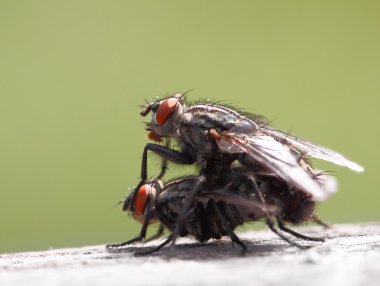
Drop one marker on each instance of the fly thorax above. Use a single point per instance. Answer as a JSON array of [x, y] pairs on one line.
[[245, 126]]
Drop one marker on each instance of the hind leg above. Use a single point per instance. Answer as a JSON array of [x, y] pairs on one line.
[[317, 220], [268, 218], [227, 226], [282, 226]]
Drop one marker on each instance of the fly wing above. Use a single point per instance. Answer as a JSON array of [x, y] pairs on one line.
[[313, 150], [274, 156], [327, 182], [248, 208]]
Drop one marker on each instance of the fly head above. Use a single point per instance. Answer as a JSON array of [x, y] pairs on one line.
[[166, 114], [144, 201]]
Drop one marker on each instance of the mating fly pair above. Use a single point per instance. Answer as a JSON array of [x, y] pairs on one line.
[[217, 138]]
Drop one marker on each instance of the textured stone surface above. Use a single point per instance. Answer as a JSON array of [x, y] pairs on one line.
[[349, 256]]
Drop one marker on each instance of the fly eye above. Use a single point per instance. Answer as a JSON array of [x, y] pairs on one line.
[[165, 109], [141, 199]]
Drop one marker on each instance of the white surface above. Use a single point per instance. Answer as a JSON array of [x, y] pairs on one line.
[[350, 256]]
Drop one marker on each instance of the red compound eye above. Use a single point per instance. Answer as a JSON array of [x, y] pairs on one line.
[[141, 199], [165, 109]]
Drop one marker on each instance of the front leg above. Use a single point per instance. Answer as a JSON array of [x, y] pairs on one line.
[[177, 157], [144, 228]]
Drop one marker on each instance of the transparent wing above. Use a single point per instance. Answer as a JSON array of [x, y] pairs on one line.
[[313, 150], [274, 156], [327, 182], [249, 208]]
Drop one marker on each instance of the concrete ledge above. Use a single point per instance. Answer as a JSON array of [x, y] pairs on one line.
[[349, 256]]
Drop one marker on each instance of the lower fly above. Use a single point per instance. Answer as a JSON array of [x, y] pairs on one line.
[[221, 205]]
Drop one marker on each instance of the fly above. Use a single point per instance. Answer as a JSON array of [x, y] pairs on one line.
[[214, 136], [221, 205]]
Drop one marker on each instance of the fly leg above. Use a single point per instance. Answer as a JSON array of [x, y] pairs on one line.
[[143, 230], [164, 163], [282, 226], [166, 153], [164, 167], [317, 220], [272, 227], [189, 200], [157, 248], [268, 218], [227, 226], [159, 232]]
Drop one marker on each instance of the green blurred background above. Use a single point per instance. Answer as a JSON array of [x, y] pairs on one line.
[[73, 73]]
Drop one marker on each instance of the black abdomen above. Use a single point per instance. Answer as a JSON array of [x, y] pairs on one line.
[[204, 221]]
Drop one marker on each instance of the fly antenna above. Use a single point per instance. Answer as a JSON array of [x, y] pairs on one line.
[[117, 204]]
